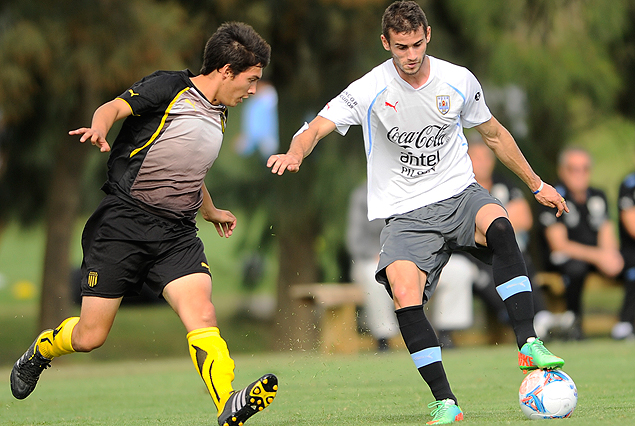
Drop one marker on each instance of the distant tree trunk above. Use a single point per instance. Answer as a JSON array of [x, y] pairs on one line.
[[297, 264], [297, 228], [61, 216], [62, 211]]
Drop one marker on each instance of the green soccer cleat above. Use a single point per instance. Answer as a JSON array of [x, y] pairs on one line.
[[445, 412], [243, 404], [534, 355], [27, 369]]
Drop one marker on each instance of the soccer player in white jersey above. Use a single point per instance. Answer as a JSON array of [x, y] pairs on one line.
[[412, 109]]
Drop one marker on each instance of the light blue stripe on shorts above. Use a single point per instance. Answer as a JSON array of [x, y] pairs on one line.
[[426, 356], [513, 286]]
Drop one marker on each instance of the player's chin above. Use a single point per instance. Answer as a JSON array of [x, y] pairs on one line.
[[233, 102], [411, 70]]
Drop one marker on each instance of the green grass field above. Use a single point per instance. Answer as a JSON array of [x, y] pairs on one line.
[[369, 389], [142, 375]]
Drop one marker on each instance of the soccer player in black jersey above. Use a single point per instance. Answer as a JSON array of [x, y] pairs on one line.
[[144, 229]]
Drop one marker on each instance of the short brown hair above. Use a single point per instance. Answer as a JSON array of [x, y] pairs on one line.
[[236, 44], [564, 154], [403, 17]]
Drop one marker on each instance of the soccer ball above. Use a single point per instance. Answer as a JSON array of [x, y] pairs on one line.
[[547, 394]]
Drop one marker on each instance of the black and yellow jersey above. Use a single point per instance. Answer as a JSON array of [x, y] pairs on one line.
[[165, 148]]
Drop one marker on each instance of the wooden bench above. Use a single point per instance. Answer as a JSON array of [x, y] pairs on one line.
[[332, 309], [328, 314], [602, 298], [596, 320]]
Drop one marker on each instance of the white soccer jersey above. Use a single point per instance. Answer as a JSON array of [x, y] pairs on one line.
[[415, 147]]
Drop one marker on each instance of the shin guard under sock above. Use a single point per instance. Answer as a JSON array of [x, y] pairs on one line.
[[510, 278], [54, 343], [211, 358], [424, 348]]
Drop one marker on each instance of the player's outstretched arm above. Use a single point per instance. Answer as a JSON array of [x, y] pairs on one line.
[[498, 138], [223, 220], [103, 119], [302, 144]]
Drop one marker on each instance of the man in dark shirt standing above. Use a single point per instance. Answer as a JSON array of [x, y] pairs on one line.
[[144, 229], [583, 240]]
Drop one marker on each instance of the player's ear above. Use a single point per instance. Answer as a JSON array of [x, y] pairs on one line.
[[226, 71], [385, 42]]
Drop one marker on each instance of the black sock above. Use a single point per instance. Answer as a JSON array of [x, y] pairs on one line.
[[510, 278], [423, 345]]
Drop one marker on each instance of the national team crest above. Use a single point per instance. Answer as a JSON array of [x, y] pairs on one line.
[[443, 104]]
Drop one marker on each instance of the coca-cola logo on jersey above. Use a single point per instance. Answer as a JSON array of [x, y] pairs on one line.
[[431, 136], [429, 140]]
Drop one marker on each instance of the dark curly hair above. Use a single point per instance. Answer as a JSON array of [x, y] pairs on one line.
[[236, 44]]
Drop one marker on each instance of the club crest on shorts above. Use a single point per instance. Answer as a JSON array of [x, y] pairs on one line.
[[443, 104], [92, 279]]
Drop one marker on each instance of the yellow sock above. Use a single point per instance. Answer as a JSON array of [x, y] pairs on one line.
[[53, 343], [211, 358]]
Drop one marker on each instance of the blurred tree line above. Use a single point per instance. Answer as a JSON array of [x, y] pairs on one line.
[[571, 63]]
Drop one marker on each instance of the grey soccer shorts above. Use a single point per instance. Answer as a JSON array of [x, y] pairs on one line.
[[428, 235]]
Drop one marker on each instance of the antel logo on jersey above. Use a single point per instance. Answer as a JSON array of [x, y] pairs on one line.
[[431, 136]]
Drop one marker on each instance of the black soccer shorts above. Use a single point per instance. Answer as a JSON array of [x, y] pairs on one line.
[[125, 246]]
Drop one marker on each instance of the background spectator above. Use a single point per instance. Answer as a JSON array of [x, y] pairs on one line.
[[259, 128], [582, 240], [626, 206]]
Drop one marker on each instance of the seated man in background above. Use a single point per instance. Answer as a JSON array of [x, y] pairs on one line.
[[583, 240], [626, 206], [465, 275]]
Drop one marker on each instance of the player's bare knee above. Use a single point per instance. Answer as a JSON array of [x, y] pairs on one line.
[[406, 295]]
